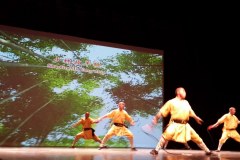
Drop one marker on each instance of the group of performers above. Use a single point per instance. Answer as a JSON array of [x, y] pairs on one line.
[[118, 116], [178, 128]]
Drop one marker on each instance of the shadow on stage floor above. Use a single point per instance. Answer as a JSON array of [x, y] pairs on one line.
[[10, 153]]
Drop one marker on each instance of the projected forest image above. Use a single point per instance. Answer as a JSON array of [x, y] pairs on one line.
[[47, 84]]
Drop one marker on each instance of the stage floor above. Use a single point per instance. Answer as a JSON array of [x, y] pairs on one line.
[[109, 154]]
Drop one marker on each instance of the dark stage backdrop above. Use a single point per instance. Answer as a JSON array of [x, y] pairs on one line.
[[49, 81]]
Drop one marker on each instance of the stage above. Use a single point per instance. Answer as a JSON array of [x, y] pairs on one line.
[[10, 153]]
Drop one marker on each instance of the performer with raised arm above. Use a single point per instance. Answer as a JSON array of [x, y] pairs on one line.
[[118, 117], [230, 124], [88, 131], [178, 130]]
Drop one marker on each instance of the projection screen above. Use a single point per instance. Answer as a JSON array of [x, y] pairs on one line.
[[49, 81]]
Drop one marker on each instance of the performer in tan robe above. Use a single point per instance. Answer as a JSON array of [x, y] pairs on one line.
[[118, 116], [230, 123], [88, 131], [178, 129], [186, 146]]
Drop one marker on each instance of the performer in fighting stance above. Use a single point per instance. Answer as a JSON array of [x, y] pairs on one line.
[[230, 123], [186, 145], [88, 131], [118, 116], [178, 129]]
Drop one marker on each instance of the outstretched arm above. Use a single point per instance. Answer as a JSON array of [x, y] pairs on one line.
[[156, 118], [198, 119], [213, 126], [95, 121], [77, 123], [101, 118], [129, 119], [220, 121]]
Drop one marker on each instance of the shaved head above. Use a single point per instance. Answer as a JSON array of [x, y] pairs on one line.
[[87, 114]]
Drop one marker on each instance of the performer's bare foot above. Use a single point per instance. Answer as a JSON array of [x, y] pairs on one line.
[[72, 147], [102, 147], [188, 148], [208, 153], [154, 152], [133, 149]]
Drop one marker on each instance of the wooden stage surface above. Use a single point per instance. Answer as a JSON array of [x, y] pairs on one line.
[[13, 153]]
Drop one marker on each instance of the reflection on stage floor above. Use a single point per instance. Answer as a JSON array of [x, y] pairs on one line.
[[10, 153]]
